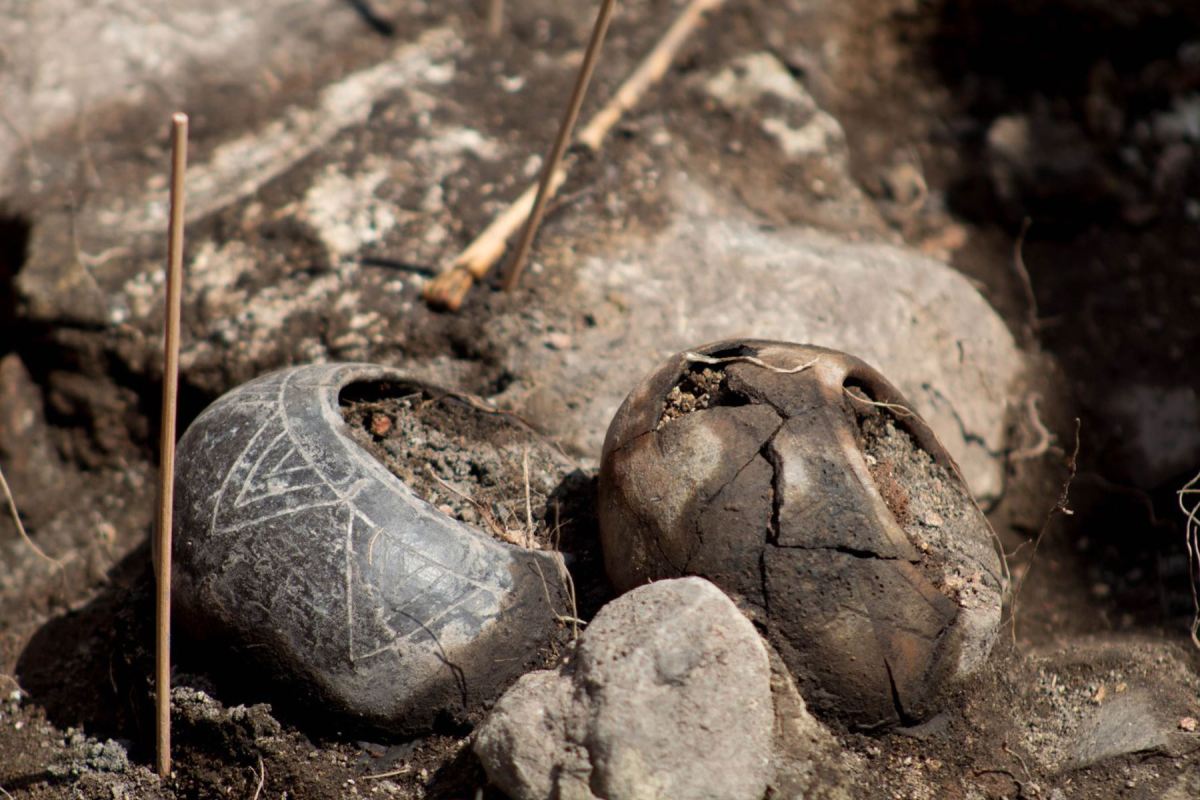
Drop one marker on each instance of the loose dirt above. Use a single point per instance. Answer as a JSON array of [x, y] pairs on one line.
[[928, 501], [698, 390], [479, 466]]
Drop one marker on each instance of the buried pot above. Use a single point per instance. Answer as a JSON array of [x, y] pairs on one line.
[[297, 549], [797, 479]]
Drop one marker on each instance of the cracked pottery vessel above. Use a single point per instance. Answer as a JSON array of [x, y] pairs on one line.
[[296, 549], [796, 479]]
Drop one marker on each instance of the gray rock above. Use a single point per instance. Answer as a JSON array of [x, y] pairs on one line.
[[1128, 723], [808, 761], [714, 273], [667, 695], [802, 129], [70, 66]]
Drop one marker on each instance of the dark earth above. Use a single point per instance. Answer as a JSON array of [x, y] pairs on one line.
[[1048, 149]]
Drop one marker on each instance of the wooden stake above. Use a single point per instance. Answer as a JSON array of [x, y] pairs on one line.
[[449, 288], [166, 476], [495, 18], [649, 72], [565, 129]]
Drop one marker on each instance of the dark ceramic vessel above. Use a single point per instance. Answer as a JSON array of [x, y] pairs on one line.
[[298, 550]]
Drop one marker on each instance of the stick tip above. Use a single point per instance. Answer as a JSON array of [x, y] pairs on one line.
[[179, 118], [447, 291]]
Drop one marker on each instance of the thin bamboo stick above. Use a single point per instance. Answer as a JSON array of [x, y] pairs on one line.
[[495, 18], [449, 288], [166, 477]]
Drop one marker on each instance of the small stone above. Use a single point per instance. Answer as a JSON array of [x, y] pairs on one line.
[[558, 340], [663, 677], [1188, 724], [1128, 723], [380, 424]]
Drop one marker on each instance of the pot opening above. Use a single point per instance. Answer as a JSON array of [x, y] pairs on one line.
[[927, 500], [478, 465], [700, 386]]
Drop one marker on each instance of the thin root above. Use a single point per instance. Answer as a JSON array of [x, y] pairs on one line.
[[16, 517], [262, 778], [895, 408], [690, 357], [528, 500], [493, 524], [1192, 540], [395, 773], [1044, 437], [1060, 507]]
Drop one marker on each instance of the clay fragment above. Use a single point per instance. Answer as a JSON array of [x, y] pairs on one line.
[[818, 499]]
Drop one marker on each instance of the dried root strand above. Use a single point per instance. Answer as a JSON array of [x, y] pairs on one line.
[[1060, 507], [1044, 437], [895, 408], [16, 518], [698, 358], [1191, 493]]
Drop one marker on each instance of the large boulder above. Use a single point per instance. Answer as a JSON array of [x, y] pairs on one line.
[[716, 273]]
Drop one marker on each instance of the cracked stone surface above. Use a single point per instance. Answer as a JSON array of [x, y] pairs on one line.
[[795, 478], [669, 694], [715, 273]]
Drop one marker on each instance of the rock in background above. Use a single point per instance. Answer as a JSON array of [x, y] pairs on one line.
[[714, 272]]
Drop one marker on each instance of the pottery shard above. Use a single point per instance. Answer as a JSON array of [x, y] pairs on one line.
[[796, 479], [667, 695]]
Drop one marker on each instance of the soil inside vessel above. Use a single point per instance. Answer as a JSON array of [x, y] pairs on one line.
[[477, 465]]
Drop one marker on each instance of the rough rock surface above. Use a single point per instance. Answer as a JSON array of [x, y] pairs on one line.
[[70, 67], [713, 273], [667, 695], [808, 761]]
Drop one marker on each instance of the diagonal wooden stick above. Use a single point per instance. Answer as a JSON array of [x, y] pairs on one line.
[[495, 18], [166, 474], [565, 129], [448, 289]]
